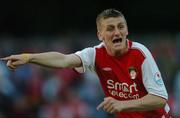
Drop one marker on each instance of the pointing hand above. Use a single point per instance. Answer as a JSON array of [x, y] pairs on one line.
[[15, 60]]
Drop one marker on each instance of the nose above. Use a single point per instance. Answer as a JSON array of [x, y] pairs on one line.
[[117, 32]]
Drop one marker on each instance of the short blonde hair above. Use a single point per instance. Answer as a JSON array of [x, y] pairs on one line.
[[107, 14]]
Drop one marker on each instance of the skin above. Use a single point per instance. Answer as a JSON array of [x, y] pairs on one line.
[[148, 102], [108, 30]]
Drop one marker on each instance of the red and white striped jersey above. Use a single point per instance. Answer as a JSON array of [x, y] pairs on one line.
[[130, 76]]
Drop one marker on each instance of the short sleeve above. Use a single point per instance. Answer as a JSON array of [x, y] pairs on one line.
[[87, 57], [152, 78]]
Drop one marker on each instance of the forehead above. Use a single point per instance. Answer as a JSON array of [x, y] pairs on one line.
[[113, 21]]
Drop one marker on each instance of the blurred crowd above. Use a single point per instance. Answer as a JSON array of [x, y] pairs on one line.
[[32, 91]]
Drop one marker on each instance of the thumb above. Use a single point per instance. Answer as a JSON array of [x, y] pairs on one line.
[[9, 65], [108, 98], [18, 62]]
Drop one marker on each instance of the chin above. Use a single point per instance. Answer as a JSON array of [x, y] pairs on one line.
[[119, 48]]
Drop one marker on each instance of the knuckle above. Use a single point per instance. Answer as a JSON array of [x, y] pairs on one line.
[[104, 108], [8, 64]]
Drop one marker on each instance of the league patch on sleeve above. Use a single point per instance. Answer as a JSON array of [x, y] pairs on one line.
[[158, 78]]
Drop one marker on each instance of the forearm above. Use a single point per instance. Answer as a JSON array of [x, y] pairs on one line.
[[51, 59], [148, 102]]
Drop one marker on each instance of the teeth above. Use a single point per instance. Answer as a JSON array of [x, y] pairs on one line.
[[120, 39], [117, 40]]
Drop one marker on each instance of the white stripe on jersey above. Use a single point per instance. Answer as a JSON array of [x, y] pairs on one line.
[[167, 109], [150, 73], [87, 56]]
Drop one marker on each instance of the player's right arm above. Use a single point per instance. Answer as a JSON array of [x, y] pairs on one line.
[[48, 59]]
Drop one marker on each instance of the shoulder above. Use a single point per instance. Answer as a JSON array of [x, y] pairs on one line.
[[101, 45], [141, 48]]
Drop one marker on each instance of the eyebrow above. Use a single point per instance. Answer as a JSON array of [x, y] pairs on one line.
[[110, 25], [121, 23]]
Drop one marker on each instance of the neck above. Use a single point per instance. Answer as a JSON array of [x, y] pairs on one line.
[[121, 52]]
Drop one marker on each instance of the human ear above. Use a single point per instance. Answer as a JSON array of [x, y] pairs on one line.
[[127, 33], [99, 36]]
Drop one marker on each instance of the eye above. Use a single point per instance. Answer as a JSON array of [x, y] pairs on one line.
[[110, 28], [121, 26]]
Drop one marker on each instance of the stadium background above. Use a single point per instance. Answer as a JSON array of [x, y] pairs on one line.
[[67, 26]]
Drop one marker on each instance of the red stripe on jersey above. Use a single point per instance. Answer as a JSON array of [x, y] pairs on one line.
[[116, 79], [114, 73]]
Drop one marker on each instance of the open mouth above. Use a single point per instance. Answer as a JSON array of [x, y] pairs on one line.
[[117, 40]]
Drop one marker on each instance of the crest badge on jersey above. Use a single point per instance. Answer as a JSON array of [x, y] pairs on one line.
[[132, 72]]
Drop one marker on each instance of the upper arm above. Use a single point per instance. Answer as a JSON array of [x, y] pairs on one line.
[[72, 60], [87, 58], [152, 78]]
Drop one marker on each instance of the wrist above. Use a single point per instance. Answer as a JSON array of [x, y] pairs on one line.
[[127, 105], [123, 106], [26, 57]]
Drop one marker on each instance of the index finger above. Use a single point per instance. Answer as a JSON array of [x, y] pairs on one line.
[[5, 58], [101, 105]]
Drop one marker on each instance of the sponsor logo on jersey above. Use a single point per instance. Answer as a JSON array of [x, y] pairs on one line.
[[107, 69], [132, 73], [122, 90]]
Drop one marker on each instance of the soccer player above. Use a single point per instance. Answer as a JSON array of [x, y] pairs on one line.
[[127, 71]]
